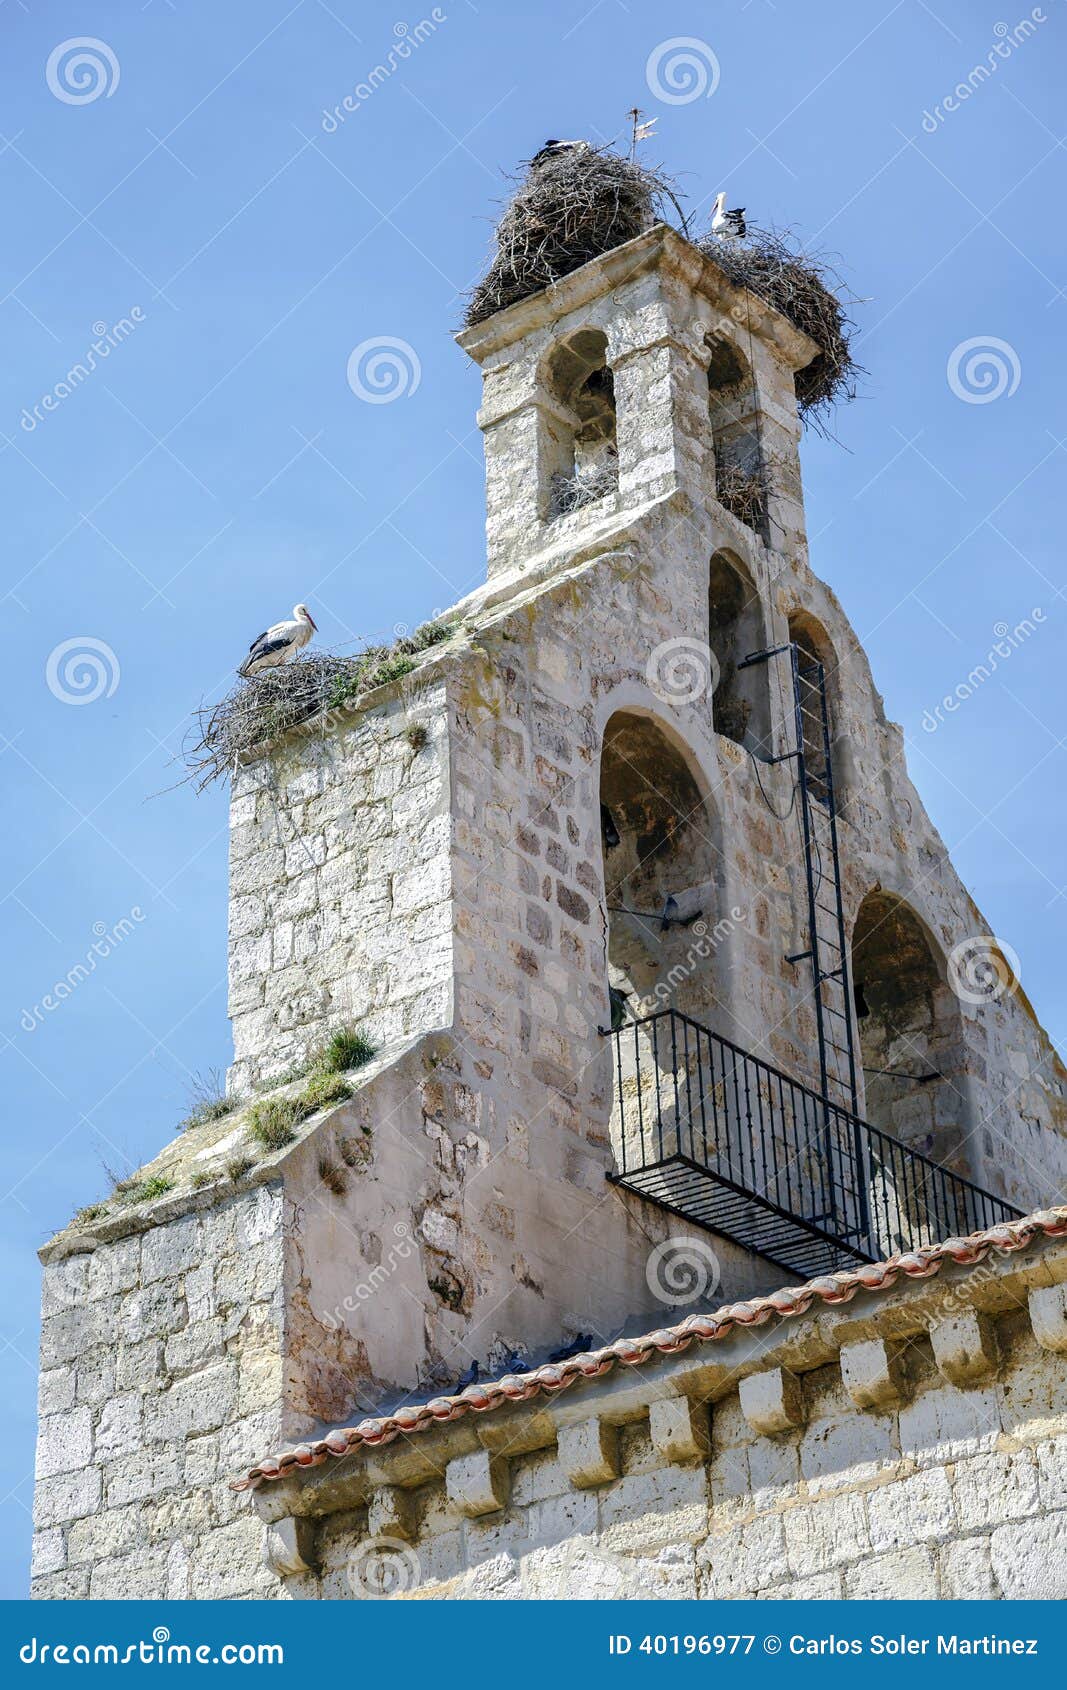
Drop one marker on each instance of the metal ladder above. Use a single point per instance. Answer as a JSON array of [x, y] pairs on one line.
[[827, 951]]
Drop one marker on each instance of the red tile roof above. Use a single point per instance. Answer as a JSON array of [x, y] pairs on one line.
[[634, 1352]]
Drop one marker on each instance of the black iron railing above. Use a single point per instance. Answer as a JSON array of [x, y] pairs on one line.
[[718, 1136]]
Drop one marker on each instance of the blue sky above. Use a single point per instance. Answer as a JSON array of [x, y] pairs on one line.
[[216, 465]]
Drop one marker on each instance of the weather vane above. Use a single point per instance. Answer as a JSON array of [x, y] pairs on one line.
[[641, 129]]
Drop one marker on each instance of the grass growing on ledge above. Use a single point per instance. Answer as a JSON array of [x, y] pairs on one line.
[[346, 1048], [273, 1121], [91, 1212], [207, 1101], [143, 1190]]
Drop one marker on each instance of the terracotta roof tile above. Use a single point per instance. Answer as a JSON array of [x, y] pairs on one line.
[[635, 1352]]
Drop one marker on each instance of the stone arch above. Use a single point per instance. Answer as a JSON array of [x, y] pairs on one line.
[[741, 704], [733, 412], [910, 1037], [581, 443], [661, 841]]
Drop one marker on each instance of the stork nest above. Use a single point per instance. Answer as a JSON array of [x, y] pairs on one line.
[[567, 209], [804, 288], [267, 705], [584, 487], [742, 492]]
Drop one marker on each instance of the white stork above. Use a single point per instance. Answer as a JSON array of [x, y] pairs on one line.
[[728, 225], [553, 148], [279, 643]]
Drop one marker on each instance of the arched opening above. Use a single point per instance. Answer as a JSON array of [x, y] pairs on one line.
[[741, 703], [662, 872], [733, 411], [581, 444], [910, 1029], [817, 676]]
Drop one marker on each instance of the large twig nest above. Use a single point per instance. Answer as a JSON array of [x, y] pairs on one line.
[[267, 705], [804, 288], [567, 209]]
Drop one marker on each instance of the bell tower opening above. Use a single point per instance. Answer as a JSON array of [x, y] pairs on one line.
[[662, 870], [909, 1033], [741, 703], [582, 450], [733, 412]]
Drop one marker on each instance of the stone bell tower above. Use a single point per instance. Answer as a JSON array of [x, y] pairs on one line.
[[577, 813], [654, 353]]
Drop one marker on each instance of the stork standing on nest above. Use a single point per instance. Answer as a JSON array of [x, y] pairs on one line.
[[553, 148], [728, 225], [279, 643]]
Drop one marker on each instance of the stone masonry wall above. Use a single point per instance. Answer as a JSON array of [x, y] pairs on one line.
[[339, 885], [161, 1365]]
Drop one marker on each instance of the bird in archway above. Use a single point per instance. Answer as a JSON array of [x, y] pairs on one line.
[[279, 643]]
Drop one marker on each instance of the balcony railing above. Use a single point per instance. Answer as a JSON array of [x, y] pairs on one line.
[[730, 1143]]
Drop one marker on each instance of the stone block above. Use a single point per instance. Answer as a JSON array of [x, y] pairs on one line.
[[49, 1552], [1028, 1559], [966, 1573], [827, 1533], [68, 1497], [589, 1452], [772, 1402], [990, 1489], [1048, 1316], [679, 1428], [871, 1373], [389, 1513], [906, 1511], [118, 1428], [743, 1559], [477, 1483], [64, 1443], [289, 1546], [906, 1576], [965, 1348]]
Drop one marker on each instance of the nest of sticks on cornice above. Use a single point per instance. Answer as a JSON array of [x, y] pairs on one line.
[[804, 288], [567, 209], [267, 705]]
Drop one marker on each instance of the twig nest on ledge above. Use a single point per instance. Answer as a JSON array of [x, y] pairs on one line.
[[267, 705], [567, 209], [803, 288]]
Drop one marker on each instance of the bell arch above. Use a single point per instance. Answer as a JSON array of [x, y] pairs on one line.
[[581, 438], [741, 702], [663, 870]]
